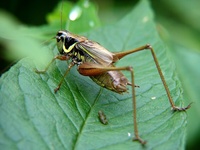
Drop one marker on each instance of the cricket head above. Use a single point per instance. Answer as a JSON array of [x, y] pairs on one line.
[[65, 41]]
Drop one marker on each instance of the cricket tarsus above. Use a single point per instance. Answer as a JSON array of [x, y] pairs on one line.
[[56, 89], [98, 63], [181, 108], [140, 140]]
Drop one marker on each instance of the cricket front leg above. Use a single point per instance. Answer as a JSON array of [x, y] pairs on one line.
[[63, 78], [60, 57], [91, 69]]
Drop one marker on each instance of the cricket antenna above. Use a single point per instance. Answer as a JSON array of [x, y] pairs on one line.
[[61, 15], [47, 41]]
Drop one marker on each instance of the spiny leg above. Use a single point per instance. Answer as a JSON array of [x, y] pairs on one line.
[[90, 69], [120, 55]]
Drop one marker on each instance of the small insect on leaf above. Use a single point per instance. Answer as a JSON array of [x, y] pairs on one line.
[[102, 117]]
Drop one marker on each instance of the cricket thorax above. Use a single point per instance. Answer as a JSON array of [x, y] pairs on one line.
[[79, 56], [67, 44]]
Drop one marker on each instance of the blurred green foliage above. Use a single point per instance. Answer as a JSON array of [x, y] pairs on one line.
[[177, 22]]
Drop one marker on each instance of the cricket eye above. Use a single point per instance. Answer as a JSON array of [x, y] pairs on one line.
[[59, 38]]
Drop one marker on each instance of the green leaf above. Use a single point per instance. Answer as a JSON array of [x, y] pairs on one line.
[[188, 68], [183, 38], [79, 17], [33, 117]]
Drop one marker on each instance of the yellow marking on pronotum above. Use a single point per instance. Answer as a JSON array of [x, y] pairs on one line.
[[70, 48]]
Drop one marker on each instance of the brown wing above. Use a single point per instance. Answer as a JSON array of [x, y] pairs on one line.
[[96, 51]]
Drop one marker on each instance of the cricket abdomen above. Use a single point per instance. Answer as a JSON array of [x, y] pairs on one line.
[[112, 80]]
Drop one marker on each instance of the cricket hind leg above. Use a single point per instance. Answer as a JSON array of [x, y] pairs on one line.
[[90, 69], [120, 55]]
